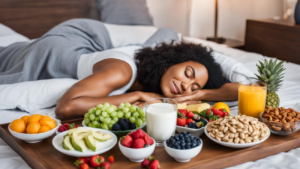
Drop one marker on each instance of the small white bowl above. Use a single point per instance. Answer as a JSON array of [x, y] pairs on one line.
[[137, 155], [34, 138], [183, 155], [234, 145], [194, 132]]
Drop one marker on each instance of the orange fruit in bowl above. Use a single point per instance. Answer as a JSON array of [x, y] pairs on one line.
[[18, 125], [221, 105], [34, 118], [49, 123], [44, 129], [33, 128], [25, 118]]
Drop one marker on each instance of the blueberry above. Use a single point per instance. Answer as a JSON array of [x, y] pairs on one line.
[[183, 133], [177, 142], [194, 141], [191, 125], [178, 147], [146, 145], [188, 133], [197, 144], [188, 143], [168, 141], [187, 147], [182, 144], [183, 148], [194, 145], [181, 137], [176, 137], [116, 127]]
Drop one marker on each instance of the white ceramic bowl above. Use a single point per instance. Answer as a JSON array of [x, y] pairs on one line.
[[194, 132], [233, 145], [137, 155], [102, 147], [183, 155], [34, 138]]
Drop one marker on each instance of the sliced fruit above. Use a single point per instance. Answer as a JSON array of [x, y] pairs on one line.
[[221, 105], [198, 107], [181, 106], [90, 142], [98, 135], [77, 139], [67, 143]]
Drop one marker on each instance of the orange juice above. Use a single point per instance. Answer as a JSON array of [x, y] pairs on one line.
[[252, 99]]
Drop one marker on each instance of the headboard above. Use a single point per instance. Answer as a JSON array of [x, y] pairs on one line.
[[33, 18]]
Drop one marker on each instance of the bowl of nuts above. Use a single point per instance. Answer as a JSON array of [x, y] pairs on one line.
[[237, 131], [281, 121]]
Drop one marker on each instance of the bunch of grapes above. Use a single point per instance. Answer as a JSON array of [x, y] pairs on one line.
[[106, 115]]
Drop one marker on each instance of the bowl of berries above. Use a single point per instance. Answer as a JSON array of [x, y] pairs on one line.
[[183, 147], [188, 121], [137, 145], [66, 127]]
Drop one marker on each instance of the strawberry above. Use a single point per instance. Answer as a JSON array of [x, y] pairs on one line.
[[209, 112], [189, 121], [183, 112], [181, 121], [211, 120], [141, 133], [218, 112], [126, 141], [145, 163], [148, 140], [84, 166], [154, 164], [134, 135], [81, 160], [96, 160], [226, 114], [138, 143], [111, 159], [190, 115], [105, 165]]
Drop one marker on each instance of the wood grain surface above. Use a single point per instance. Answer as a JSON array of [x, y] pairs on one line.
[[43, 155], [33, 18], [278, 39]]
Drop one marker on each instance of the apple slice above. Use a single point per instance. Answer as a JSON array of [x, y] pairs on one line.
[[90, 142]]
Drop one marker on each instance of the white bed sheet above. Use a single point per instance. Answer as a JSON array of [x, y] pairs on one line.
[[289, 95]]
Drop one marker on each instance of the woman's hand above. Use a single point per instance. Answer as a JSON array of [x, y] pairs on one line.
[[144, 96], [190, 99]]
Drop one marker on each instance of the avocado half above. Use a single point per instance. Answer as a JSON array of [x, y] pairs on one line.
[[77, 139]]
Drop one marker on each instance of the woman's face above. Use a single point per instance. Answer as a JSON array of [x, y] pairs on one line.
[[184, 79]]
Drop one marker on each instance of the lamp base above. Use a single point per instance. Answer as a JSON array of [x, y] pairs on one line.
[[216, 39]]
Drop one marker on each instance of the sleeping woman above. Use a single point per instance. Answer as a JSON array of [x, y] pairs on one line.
[[117, 64]]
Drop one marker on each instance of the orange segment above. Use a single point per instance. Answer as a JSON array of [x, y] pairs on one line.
[[44, 129], [34, 118], [25, 118], [18, 125], [49, 123], [45, 117], [33, 128]]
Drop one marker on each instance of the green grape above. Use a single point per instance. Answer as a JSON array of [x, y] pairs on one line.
[[110, 126], [101, 118], [104, 126], [115, 107], [106, 104], [125, 109], [96, 118], [98, 112], [144, 119], [141, 110], [139, 122], [95, 123], [116, 119], [109, 109], [107, 120], [98, 125], [91, 110], [132, 108], [136, 114], [127, 104], [127, 115], [104, 114], [132, 119], [90, 124], [113, 114], [87, 120], [120, 114], [121, 105], [112, 122], [142, 114], [99, 106], [87, 115], [103, 108], [92, 117]]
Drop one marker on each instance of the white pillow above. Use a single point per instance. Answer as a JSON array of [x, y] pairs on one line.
[[9, 36], [33, 95]]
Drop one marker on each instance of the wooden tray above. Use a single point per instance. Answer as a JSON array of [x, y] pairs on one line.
[[43, 155]]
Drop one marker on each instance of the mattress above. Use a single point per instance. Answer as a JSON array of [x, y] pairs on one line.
[[289, 95]]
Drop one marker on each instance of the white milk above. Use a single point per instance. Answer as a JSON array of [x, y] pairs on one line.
[[161, 120]]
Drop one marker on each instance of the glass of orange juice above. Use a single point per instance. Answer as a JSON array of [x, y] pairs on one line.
[[252, 97]]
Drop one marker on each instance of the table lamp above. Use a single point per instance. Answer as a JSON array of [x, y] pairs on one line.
[[216, 38]]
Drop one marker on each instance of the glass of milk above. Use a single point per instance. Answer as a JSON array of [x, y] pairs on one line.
[[161, 116]]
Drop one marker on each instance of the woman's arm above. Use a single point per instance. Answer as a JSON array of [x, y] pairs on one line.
[[227, 92]]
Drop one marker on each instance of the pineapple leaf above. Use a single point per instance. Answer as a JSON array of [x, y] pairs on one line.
[[267, 72]]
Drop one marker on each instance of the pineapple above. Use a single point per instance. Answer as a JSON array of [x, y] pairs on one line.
[[271, 73]]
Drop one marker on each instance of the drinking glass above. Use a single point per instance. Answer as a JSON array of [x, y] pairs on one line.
[[161, 115], [252, 97]]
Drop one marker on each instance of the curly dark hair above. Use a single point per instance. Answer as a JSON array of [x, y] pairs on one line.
[[153, 63]]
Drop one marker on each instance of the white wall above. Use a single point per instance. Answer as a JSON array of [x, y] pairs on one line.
[[232, 15]]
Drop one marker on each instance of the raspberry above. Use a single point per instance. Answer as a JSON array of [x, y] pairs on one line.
[[62, 128]]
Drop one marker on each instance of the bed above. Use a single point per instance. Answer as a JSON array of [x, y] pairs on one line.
[[20, 20]]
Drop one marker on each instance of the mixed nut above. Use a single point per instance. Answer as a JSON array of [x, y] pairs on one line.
[[281, 119], [238, 129]]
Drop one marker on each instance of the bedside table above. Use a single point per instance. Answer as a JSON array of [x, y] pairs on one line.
[[274, 38]]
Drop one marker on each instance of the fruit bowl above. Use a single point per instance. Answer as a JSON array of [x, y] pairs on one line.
[[34, 138], [183, 155], [120, 133], [195, 132], [137, 155]]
